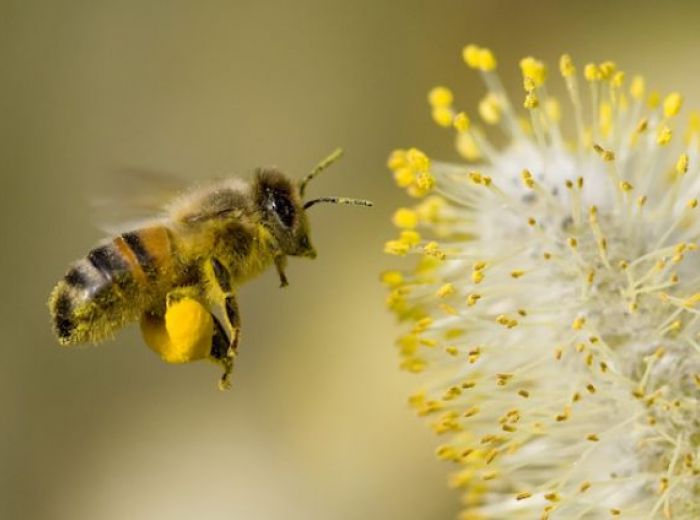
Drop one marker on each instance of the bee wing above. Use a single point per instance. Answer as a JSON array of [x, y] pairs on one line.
[[133, 196]]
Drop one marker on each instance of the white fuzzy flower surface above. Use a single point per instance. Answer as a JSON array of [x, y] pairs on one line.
[[551, 296]]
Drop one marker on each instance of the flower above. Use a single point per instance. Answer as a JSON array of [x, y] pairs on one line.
[[553, 309]]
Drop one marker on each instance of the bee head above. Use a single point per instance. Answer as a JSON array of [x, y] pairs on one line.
[[279, 201], [284, 210]]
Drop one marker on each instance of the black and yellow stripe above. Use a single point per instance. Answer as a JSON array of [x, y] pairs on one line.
[[109, 287]]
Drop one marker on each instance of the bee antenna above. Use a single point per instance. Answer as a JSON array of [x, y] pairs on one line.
[[338, 200], [325, 163]]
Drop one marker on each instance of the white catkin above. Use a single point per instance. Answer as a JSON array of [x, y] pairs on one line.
[[554, 305]]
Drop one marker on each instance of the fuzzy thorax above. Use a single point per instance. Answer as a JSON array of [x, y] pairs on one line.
[[552, 308]]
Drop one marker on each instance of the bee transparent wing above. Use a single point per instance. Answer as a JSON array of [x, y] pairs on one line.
[[132, 196]]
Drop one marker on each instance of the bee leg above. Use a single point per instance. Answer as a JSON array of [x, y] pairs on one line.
[[226, 298], [233, 323], [220, 353], [281, 264]]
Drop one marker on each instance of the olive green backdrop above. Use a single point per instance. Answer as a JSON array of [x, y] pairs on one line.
[[316, 426]]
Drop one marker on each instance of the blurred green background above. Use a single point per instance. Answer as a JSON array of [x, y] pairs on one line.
[[316, 426]]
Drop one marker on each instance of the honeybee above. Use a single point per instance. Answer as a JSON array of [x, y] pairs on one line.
[[178, 274]]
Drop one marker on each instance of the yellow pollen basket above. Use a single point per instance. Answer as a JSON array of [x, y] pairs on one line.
[[184, 335]]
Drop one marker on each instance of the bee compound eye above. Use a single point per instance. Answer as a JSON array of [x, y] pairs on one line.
[[284, 208]]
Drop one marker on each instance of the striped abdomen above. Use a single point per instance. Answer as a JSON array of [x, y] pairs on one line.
[[111, 286]]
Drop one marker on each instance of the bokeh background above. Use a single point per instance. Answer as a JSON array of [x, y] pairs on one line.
[[316, 426]]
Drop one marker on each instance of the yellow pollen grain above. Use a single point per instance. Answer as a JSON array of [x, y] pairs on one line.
[[397, 159], [625, 186], [392, 278], [572, 242], [664, 135], [404, 177], [446, 290], [524, 393], [522, 496], [615, 512], [591, 389], [534, 69], [692, 203], [618, 79], [531, 101], [471, 412], [552, 497], [528, 84], [474, 355], [470, 55], [637, 88], [452, 392], [414, 365], [422, 325], [591, 72], [642, 126], [461, 122], [564, 415], [592, 437], [396, 247], [440, 97], [425, 181], [654, 99], [417, 160], [409, 237], [487, 61], [432, 249], [445, 452], [475, 177], [473, 298], [468, 148], [405, 218], [489, 475], [491, 455], [490, 109], [503, 379], [477, 277], [442, 116], [672, 104], [682, 164], [585, 486], [527, 179], [606, 155], [607, 69], [566, 66], [452, 351]]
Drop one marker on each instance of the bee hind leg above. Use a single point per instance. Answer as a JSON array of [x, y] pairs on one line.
[[222, 354], [229, 334]]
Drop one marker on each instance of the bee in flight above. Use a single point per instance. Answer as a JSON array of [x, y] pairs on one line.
[[178, 274]]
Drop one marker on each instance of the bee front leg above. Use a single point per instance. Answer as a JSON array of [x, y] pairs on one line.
[[281, 264], [225, 298]]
